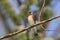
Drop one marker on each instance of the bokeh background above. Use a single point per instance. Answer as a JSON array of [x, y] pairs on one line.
[[13, 14]]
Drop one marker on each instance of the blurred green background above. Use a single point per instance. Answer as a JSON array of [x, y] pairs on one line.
[[13, 14]]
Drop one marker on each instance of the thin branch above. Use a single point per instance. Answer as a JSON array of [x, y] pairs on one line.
[[42, 7], [14, 33], [41, 13]]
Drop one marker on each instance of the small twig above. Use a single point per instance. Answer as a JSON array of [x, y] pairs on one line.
[[14, 33], [42, 7], [41, 14]]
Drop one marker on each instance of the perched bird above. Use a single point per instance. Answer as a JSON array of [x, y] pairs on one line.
[[31, 20]]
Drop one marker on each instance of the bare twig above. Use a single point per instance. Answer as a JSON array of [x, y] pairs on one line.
[[14, 33], [42, 7], [41, 14]]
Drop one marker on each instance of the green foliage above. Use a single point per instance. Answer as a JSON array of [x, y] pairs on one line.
[[10, 12], [47, 13], [34, 2], [21, 36], [47, 2], [23, 12]]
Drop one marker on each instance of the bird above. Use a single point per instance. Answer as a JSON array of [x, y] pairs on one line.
[[31, 21]]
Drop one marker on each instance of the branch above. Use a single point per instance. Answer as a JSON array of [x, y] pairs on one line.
[[42, 7], [14, 33], [41, 13]]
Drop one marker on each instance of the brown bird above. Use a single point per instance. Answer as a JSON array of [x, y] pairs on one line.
[[31, 20]]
